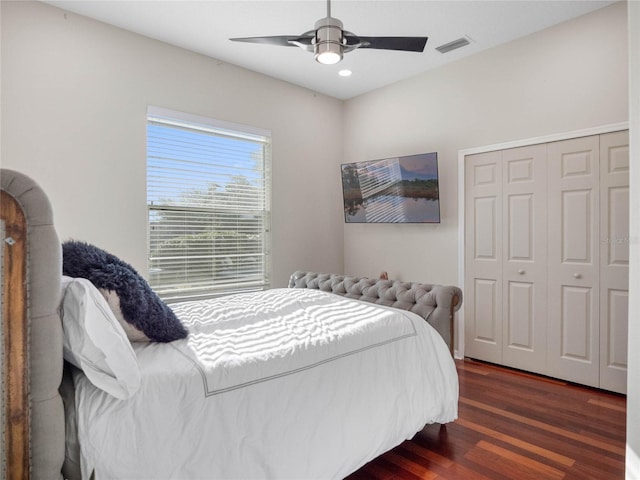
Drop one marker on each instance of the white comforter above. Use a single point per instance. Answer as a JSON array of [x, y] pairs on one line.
[[286, 383]]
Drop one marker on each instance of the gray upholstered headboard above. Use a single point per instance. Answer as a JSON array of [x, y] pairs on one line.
[[31, 285], [435, 303]]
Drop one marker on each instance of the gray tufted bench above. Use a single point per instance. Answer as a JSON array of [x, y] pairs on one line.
[[435, 303]]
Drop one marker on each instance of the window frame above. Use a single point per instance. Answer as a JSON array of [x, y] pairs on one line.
[[181, 120]]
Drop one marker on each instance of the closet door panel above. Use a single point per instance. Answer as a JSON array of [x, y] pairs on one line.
[[573, 262], [486, 312], [614, 260], [524, 240], [521, 323], [483, 257], [576, 223], [576, 322]]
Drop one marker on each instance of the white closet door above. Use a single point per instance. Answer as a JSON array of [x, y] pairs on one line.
[[574, 250], [483, 257], [524, 267], [614, 259]]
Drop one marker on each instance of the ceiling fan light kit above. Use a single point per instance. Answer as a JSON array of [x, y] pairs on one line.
[[328, 45], [329, 41]]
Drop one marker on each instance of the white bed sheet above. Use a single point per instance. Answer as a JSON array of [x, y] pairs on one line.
[[286, 383]]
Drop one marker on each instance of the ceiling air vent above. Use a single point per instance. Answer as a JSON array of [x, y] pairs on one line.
[[447, 47]]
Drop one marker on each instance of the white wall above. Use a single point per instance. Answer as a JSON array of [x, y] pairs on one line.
[[74, 100], [633, 373], [569, 77]]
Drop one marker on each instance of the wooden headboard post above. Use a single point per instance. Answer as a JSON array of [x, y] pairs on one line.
[[15, 341], [32, 410]]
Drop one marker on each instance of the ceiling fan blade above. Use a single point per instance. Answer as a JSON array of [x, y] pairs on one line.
[[408, 44], [281, 40]]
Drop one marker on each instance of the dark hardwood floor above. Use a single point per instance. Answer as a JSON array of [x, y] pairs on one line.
[[517, 426]]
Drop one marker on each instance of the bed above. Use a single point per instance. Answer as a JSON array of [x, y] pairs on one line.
[[310, 381]]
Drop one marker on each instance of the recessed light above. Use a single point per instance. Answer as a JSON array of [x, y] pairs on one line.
[[345, 73]]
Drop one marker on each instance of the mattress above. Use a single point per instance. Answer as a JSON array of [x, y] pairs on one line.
[[285, 383]]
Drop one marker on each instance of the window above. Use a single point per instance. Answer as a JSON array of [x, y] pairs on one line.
[[208, 199]]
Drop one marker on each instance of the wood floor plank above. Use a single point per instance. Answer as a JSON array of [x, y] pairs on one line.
[[516, 442], [426, 455], [514, 425], [549, 428], [471, 368], [542, 469], [491, 368], [503, 467], [378, 470], [580, 452], [600, 403], [457, 471], [412, 467]]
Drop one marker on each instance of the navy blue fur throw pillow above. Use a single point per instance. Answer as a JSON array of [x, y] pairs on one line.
[[140, 305]]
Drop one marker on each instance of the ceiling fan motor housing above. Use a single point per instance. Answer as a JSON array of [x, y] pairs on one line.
[[328, 44]]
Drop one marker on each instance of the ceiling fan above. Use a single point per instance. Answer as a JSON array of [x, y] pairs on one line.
[[329, 42]]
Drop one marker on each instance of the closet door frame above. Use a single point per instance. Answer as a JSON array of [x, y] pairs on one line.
[[459, 326]]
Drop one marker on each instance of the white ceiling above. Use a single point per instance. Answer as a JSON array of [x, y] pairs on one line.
[[206, 26]]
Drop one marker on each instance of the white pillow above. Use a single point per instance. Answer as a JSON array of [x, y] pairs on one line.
[[94, 340]]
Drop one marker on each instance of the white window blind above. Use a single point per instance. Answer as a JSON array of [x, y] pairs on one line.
[[208, 198]]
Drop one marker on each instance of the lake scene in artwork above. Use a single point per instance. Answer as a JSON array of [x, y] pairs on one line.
[[392, 190]]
